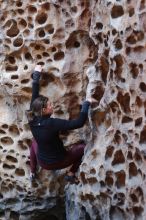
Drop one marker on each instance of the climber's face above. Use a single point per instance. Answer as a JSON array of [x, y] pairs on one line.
[[48, 110]]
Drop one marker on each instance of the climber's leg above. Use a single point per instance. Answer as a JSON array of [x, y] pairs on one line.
[[76, 153], [73, 157], [33, 156]]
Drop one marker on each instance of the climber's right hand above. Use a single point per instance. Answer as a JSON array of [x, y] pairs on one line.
[[91, 100], [38, 68]]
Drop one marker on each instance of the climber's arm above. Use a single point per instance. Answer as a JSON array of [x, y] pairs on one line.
[[64, 125], [35, 83]]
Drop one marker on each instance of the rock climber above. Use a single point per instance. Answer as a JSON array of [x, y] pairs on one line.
[[47, 148]]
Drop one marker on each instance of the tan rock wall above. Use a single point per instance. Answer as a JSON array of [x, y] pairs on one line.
[[86, 48]]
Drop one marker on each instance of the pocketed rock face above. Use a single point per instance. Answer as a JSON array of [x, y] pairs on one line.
[[87, 48]]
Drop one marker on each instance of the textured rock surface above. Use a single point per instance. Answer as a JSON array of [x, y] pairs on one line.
[[87, 48]]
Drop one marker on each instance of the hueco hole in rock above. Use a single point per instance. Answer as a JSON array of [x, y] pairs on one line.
[[87, 48]]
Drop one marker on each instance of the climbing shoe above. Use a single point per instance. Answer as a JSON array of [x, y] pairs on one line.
[[71, 179]]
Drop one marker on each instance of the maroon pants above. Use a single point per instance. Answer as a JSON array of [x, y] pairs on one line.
[[73, 157]]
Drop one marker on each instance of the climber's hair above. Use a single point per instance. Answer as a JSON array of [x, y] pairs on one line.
[[37, 107]]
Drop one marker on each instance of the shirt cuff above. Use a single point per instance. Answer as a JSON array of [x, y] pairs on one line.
[[36, 76], [85, 106]]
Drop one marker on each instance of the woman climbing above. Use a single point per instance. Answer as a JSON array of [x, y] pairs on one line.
[[47, 148]]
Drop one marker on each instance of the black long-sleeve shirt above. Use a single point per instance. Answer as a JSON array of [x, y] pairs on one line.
[[46, 129]]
